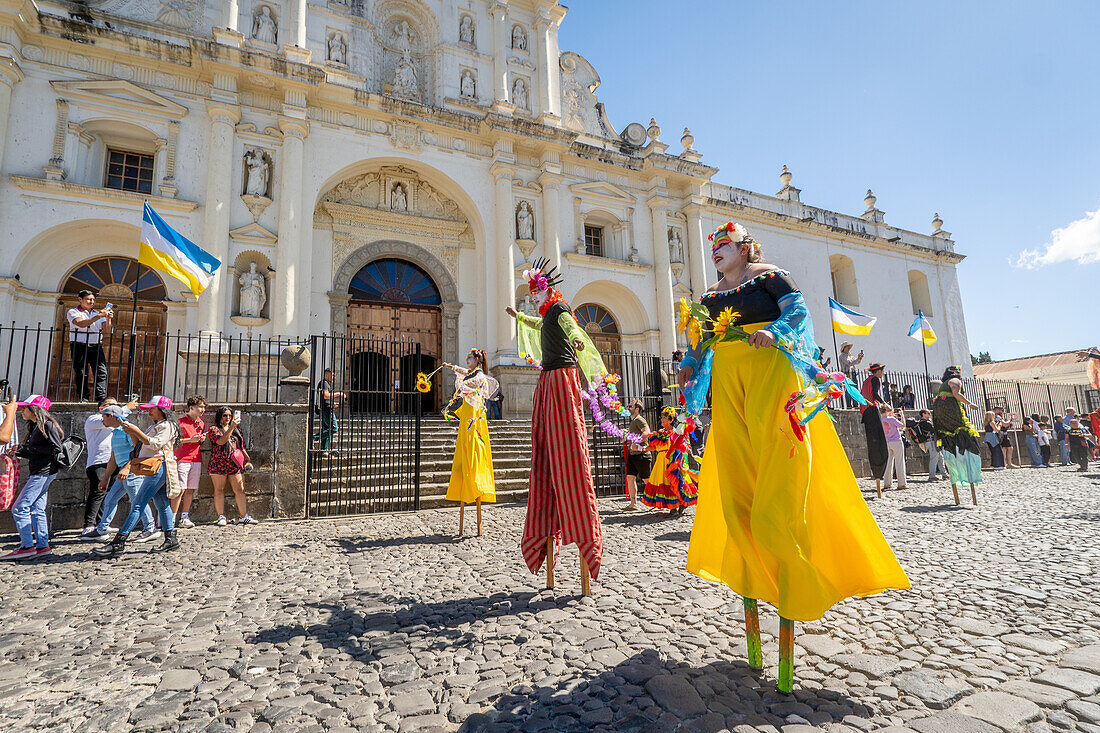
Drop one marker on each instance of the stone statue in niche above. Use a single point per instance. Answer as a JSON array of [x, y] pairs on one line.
[[466, 30], [398, 200], [253, 292], [263, 26], [519, 93], [519, 38], [337, 49], [404, 77], [675, 245], [468, 85], [525, 221], [258, 173]]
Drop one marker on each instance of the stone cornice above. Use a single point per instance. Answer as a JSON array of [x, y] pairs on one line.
[[784, 221], [80, 194], [604, 264], [346, 218]]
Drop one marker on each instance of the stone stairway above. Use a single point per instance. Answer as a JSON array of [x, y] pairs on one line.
[[511, 445]]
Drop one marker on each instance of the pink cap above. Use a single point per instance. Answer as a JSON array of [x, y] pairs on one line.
[[37, 400], [157, 400]]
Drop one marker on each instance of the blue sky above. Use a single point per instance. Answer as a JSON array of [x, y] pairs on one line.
[[985, 112]]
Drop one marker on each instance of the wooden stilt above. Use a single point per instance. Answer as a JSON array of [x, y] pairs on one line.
[[479, 516], [461, 517], [974, 494], [586, 580], [549, 562], [878, 487], [786, 655], [752, 634], [955, 489]]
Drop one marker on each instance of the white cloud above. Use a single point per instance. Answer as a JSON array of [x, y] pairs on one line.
[[1078, 241], [1018, 341]]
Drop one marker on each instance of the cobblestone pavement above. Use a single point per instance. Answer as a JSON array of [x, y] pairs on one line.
[[390, 623]]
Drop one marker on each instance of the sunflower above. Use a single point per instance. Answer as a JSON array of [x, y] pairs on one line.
[[722, 323], [695, 333], [685, 315], [423, 383]]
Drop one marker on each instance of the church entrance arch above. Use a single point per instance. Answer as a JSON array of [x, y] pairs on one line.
[[392, 299]]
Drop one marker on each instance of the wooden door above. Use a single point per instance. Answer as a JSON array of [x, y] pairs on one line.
[[418, 324]]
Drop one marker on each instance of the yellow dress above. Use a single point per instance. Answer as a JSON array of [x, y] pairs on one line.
[[792, 530], [472, 470]]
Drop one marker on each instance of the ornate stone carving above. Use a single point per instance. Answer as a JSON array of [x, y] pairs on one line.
[[258, 166], [580, 107], [406, 137], [675, 245], [466, 30], [337, 49], [378, 191], [468, 85], [519, 93], [264, 27], [525, 221], [398, 198], [184, 14], [519, 38], [253, 293]]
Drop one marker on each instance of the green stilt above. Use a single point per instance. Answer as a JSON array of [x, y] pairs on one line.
[[786, 655], [752, 634]]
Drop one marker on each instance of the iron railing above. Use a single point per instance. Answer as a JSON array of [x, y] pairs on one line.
[[237, 369], [371, 463]]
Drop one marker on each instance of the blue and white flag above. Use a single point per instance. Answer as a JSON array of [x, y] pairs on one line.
[[166, 250]]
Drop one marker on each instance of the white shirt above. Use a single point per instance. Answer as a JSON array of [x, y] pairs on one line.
[[98, 437], [87, 334]]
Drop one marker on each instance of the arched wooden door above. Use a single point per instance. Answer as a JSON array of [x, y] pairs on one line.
[[113, 280], [393, 299], [604, 332]]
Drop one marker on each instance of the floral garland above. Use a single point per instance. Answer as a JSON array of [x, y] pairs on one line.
[[602, 393]]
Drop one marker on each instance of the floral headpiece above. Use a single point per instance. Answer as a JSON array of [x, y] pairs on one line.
[[540, 278], [669, 412], [730, 233]]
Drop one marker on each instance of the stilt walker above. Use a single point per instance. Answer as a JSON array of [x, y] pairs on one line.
[[777, 496], [961, 447], [472, 469], [561, 502], [877, 452]]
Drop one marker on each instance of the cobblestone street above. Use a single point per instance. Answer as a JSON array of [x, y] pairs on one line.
[[389, 622]]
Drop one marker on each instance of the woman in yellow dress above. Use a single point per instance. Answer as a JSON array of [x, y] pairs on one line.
[[472, 469], [779, 516]]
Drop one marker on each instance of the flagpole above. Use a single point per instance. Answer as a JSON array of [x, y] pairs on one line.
[[836, 352], [133, 329]]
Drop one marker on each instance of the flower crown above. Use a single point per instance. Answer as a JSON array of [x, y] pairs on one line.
[[538, 278], [730, 233], [669, 412]]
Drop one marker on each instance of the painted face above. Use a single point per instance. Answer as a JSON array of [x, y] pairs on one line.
[[540, 296], [471, 362]]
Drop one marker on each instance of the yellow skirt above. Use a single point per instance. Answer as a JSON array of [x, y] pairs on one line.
[[779, 519], [472, 470]]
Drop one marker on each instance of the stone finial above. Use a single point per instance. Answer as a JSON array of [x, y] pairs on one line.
[[788, 192], [687, 140], [654, 130], [937, 222], [870, 200], [786, 176]]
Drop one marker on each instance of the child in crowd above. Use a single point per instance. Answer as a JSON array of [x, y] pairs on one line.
[[1079, 443], [895, 446], [1042, 434]]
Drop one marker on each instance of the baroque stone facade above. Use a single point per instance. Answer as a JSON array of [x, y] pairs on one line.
[[314, 138]]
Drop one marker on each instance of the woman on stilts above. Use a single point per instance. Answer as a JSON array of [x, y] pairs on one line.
[[779, 517], [878, 453], [961, 450], [472, 470]]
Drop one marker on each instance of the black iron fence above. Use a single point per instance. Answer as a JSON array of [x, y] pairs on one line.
[[364, 447], [67, 367]]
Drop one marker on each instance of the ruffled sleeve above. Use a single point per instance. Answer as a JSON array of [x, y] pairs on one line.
[[588, 358], [530, 339]]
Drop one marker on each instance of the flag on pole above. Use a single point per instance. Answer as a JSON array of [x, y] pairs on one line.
[[165, 249], [921, 330], [846, 320]]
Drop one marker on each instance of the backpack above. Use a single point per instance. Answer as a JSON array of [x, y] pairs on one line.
[[69, 452], [9, 479]]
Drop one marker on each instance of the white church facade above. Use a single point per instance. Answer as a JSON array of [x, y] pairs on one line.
[[388, 166]]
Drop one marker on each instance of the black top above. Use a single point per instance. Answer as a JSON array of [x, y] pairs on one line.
[[41, 450], [757, 301], [324, 386], [557, 350]]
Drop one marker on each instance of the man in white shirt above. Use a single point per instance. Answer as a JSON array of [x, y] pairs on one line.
[[86, 328], [98, 437]]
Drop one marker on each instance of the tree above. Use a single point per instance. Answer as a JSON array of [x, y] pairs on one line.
[[983, 357]]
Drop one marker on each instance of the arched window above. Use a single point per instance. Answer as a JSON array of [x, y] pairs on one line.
[[845, 288], [595, 319], [394, 281], [918, 292], [114, 277]]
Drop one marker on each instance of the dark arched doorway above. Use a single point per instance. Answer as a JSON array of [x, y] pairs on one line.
[[113, 280], [393, 300]]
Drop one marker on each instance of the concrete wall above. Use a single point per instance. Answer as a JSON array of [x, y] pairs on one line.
[[276, 440]]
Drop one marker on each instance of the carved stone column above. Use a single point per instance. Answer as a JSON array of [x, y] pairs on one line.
[[232, 14], [697, 255], [215, 230], [10, 75], [296, 23], [662, 273], [550, 180], [55, 169], [498, 15], [547, 60], [500, 274], [290, 310]]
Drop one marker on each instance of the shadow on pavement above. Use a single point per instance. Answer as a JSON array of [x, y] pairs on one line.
[[648, 693], [939, 508], [652, 517], [683, 536], [358, 545]]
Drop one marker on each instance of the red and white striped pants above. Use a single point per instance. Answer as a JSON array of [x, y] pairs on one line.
[[561, 501]]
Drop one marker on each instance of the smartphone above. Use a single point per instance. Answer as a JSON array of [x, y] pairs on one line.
[[133, 398], [109, 306], [237, 415]]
